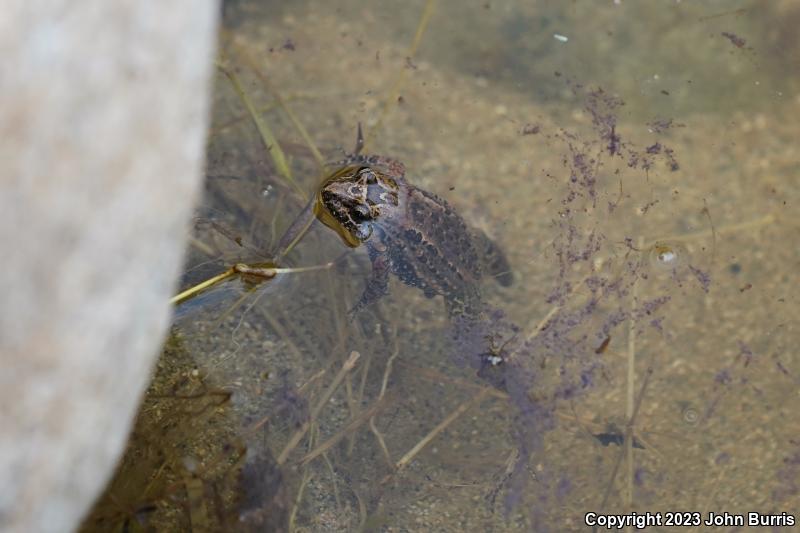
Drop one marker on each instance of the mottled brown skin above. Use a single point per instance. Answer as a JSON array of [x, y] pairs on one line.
[[412, 234]]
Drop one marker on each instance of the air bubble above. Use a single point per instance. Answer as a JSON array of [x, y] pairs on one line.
[[690, 416], [668, 256]]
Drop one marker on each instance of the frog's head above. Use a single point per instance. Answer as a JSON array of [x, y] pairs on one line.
[[356, 197]]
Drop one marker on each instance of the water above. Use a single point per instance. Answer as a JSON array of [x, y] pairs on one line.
[[636, 162]]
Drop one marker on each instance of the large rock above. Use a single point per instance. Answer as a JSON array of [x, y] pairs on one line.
[[103, 111]]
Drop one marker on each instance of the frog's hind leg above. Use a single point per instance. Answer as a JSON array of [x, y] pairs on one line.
[[493, 259], [377, 285], [468, 305]]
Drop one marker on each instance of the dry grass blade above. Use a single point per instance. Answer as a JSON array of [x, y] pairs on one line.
[[243, 53], [241, 269], [228, 124], [270, 142], [200, 287]]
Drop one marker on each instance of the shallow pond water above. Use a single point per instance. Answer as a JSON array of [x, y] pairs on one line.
[[636, 162]]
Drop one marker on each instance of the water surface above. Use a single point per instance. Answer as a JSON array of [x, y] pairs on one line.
[[638, 164]]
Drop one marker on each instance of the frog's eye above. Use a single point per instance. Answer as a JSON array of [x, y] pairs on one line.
[[354, 191], [364, 232]]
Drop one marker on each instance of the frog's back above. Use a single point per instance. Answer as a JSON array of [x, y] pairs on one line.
[[431, 248], [467, 250], [447, 232]]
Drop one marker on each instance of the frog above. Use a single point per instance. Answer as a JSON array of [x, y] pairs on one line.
[[410, 233]]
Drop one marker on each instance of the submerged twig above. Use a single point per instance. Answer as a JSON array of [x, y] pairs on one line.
[[714, 232], [628, 434], [348, 429], [300, 492], [452, 417], [326, 396], [630, 403], [387, 371], [544, 321], [332, 470], [307, 221]]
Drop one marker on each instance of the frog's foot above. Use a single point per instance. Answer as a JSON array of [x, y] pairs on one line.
[[376, 288]]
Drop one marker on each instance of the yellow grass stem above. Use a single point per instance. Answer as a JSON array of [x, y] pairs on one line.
[[248, 59], [268, 138], [200, 287]]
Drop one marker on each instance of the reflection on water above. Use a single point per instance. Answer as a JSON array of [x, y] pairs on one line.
[[634, 163]]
